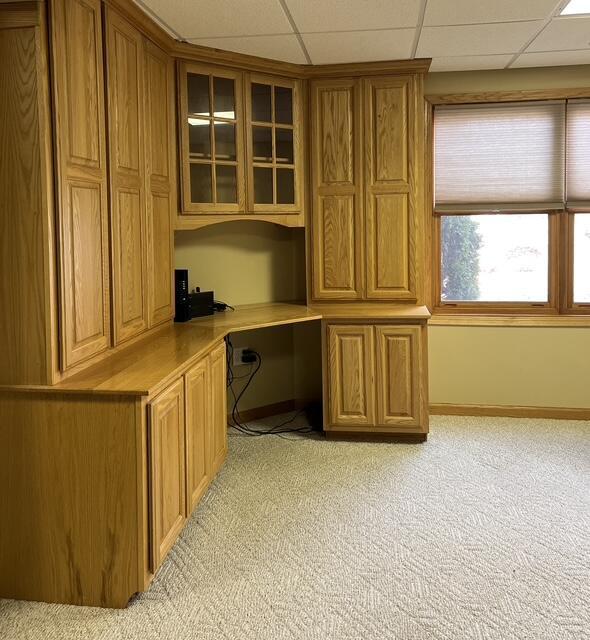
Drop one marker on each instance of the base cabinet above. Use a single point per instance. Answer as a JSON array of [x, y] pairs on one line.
[[375, 378], [188, 445]]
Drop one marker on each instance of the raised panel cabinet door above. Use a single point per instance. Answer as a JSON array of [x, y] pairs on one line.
[[350, 370], [160, 147], [167, 470], [337, 217], [126, 125], [82, 212], [218, 422], [399, 374], [198, 397], [393, 187]]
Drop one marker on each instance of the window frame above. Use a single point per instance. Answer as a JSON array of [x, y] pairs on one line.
[[561, 259]]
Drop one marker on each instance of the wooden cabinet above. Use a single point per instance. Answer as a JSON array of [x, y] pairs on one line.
[[241, 150], [337, 220], [375, 378], [367, 205], [82, 208], [198, 393], [160, 143], [218, 436], [167, 470]]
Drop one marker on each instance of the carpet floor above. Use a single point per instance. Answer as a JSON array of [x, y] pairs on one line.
[[483, 533]]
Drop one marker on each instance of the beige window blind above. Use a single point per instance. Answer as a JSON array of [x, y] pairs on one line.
[[578, 153], [500, 157]]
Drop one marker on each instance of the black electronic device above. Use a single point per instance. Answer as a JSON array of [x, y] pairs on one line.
[[190, 304], [201, 303]]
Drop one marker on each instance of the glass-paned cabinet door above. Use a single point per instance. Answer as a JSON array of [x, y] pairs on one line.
[[212, 149], [273, 130]]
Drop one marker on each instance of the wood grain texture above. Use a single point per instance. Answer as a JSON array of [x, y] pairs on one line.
[[198, 399], [28, 332], [218, 422], [160, 181], [350, 374], [508, 96], [125, 90], [167, 470], [399, 365], [506, 411], [337, 217], [69, 500], [366, 311]]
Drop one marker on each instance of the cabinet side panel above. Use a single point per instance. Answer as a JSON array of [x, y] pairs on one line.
[[69, 507]]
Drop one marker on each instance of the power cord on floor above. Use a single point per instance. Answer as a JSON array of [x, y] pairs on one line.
[[236, 420]]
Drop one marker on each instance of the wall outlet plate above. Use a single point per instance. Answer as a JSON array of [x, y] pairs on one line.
[[238, 351]]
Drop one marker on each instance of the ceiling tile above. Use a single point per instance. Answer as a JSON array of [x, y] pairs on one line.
[[562, 34], [218, 18], [285, 48], [468, 63], [446, 12], [311, 16], [476, 39], [552, 58], [359, 46]]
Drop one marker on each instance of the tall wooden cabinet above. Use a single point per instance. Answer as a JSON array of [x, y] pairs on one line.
[[367, 179]]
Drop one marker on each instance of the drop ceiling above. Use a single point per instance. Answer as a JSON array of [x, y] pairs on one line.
[[458, 35]]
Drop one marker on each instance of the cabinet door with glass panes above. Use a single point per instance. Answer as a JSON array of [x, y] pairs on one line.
[[212, 154], [273, 133]]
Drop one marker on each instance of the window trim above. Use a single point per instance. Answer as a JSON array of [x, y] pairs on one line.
[[560, 291]]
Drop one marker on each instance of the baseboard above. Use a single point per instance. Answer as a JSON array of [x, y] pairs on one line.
[[372, 436], [559, 413], [256, 413]]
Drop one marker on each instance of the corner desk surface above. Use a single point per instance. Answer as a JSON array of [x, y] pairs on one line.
[[148, 365]]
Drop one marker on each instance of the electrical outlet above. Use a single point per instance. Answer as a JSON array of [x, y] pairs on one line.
[[238, 351]]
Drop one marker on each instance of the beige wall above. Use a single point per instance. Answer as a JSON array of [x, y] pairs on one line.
[[546, 367]]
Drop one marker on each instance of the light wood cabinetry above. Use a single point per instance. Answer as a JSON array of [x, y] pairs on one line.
[[218, 408], [375, 377], [367, 205], [337, 220], [78, 93], [167, 466], [125, 89], [241, 151]]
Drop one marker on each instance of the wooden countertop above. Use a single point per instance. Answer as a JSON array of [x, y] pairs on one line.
[[150, 364]]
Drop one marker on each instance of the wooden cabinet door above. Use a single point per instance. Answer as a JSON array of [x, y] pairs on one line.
[[350, 366], [125, 84], [218, 437], [393, 188], [160, 146], [78, 93], [399, 376], [167, 466], [198, 397], [274, 149], [337, 219]]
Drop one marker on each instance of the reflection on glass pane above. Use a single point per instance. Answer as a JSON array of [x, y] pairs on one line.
[[201, 183], [262, 144], [199, 138], [261, 102], [198, 94], [226, 183], [225, 141], [223, 98], [582, 257], [495, 258], [285, 186], [284, 145], [263, 185], [283, 105]]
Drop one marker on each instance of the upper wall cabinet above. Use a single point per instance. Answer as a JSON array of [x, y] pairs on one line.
[[240, 150], [367, 180]]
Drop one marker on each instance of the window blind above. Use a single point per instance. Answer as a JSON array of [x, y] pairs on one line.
[[500, 156], [578, 153]]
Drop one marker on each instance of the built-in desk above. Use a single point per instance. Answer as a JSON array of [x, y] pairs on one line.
[[99, 473]]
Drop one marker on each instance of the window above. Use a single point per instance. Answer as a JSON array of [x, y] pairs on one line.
[[512, 207]]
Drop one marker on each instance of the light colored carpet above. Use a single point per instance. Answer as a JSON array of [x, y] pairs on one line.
[[483, 532]]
